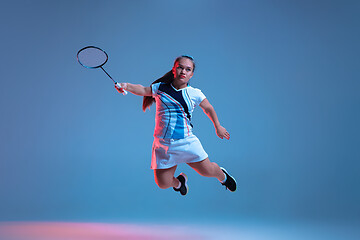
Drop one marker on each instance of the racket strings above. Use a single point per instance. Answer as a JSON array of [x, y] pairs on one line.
[[92, 57]]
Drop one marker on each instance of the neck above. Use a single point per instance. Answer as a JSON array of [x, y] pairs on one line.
[[179, 86]]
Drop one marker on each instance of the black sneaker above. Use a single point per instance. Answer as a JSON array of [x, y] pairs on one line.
[[230, 182], [183, 189]]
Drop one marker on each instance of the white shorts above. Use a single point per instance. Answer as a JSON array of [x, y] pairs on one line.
[[167, 153]]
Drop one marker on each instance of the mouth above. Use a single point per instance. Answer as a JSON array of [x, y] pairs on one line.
[[182, 76]]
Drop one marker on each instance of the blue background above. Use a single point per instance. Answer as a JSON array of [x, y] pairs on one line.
[[283, 77]]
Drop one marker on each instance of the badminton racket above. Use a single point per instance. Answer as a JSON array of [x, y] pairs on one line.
[[92, 57]]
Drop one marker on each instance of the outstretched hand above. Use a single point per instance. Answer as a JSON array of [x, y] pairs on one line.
[[222, 133], [120, 87]]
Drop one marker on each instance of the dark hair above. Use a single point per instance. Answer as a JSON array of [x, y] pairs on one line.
[[167, 78]]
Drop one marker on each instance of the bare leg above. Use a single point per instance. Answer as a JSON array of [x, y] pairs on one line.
[[208, 169], [164, 178]]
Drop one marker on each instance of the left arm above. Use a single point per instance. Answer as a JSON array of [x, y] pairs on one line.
[[210, 112], [136, 89]]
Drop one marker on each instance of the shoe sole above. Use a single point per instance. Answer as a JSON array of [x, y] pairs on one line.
[[186, 179], [224, 170]]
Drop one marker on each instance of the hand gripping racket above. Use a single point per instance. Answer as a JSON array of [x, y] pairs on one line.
[[93, 57]]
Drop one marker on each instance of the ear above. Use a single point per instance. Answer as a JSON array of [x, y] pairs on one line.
[[192, 73]]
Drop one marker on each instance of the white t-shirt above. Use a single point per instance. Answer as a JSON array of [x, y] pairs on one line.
[[174, 110]]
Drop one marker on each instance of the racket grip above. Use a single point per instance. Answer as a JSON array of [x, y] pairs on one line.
[[119, 87]]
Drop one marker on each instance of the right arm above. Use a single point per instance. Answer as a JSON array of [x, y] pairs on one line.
[[136, 89]]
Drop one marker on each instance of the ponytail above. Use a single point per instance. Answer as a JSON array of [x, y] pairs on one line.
[[149, 100]]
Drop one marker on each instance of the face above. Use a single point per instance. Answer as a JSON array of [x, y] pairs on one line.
[[183, 72]]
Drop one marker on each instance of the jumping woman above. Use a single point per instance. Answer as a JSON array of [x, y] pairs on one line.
[[174, 142]]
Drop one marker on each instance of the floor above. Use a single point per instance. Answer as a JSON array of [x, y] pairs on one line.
[[150, 231]]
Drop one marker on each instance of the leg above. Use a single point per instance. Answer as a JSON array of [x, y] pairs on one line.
[[164, 178], [211, 169], [208, 169]]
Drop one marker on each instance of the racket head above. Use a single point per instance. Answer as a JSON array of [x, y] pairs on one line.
[[92, 57]]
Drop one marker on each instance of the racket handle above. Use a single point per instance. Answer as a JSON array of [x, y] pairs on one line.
[[119, 87]]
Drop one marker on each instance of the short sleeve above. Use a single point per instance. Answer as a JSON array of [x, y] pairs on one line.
[[155, 89], [199, 97]]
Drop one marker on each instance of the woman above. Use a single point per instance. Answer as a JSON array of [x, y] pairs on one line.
[[174, 142]]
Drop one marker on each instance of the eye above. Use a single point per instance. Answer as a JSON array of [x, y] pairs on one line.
[[188, 69]]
